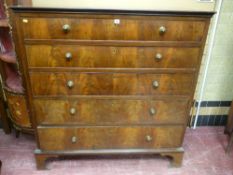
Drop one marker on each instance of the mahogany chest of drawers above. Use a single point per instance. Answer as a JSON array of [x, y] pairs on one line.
[[109, 82]]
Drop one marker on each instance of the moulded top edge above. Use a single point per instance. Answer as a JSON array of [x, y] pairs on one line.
[[113, 11]]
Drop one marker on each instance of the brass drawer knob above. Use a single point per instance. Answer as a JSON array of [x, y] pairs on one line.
[[152, 111], [162, 30], [72, 111], [68, 56], [148, 138], [70, 84], [155, 84], [25, 20], [159, 56], [66, 28], [74, 139]]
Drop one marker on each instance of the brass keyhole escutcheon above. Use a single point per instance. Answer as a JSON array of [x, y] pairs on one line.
[[117, 22], [114, 51]]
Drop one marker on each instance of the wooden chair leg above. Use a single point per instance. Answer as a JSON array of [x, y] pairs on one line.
[[229, 146]]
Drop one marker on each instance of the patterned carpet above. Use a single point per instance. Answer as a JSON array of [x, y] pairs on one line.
[[204, 155]]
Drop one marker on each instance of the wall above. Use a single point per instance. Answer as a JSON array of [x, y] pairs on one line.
[[129, 4], [218, 92]]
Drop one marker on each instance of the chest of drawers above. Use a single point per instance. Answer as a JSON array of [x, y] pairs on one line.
[[109, 82]]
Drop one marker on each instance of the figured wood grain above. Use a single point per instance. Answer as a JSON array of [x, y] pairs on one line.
[[114, 43], [125, 81], [91, 28], [111, 57], [60, 138], [110, 84], [110, 112]]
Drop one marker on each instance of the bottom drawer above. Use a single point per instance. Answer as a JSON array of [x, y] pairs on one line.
[[73, 138]]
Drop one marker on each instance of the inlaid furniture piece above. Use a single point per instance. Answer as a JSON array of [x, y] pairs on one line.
[[3, 113], [109, 81], [229, 129], [11, 84]]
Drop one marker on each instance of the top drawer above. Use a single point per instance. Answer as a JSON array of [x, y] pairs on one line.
[[117, 28]]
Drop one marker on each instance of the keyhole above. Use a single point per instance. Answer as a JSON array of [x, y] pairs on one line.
[[114, 51]]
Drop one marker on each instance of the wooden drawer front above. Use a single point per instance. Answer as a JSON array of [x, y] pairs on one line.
[[110, 112], [58, 139], [105, 29], [110, 84], [111, 57]]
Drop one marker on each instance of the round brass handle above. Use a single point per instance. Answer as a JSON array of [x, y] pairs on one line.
[[159, 56], [155, 84], [70, 84], [72, 111], [162, 30], [148, 138], [68, 56], [152, 111], [66, 28], [74, 139]]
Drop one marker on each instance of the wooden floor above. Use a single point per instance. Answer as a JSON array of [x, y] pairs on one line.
[[205, 155]]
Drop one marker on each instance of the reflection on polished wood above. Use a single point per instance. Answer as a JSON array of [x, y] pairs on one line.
[[109, 82]]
